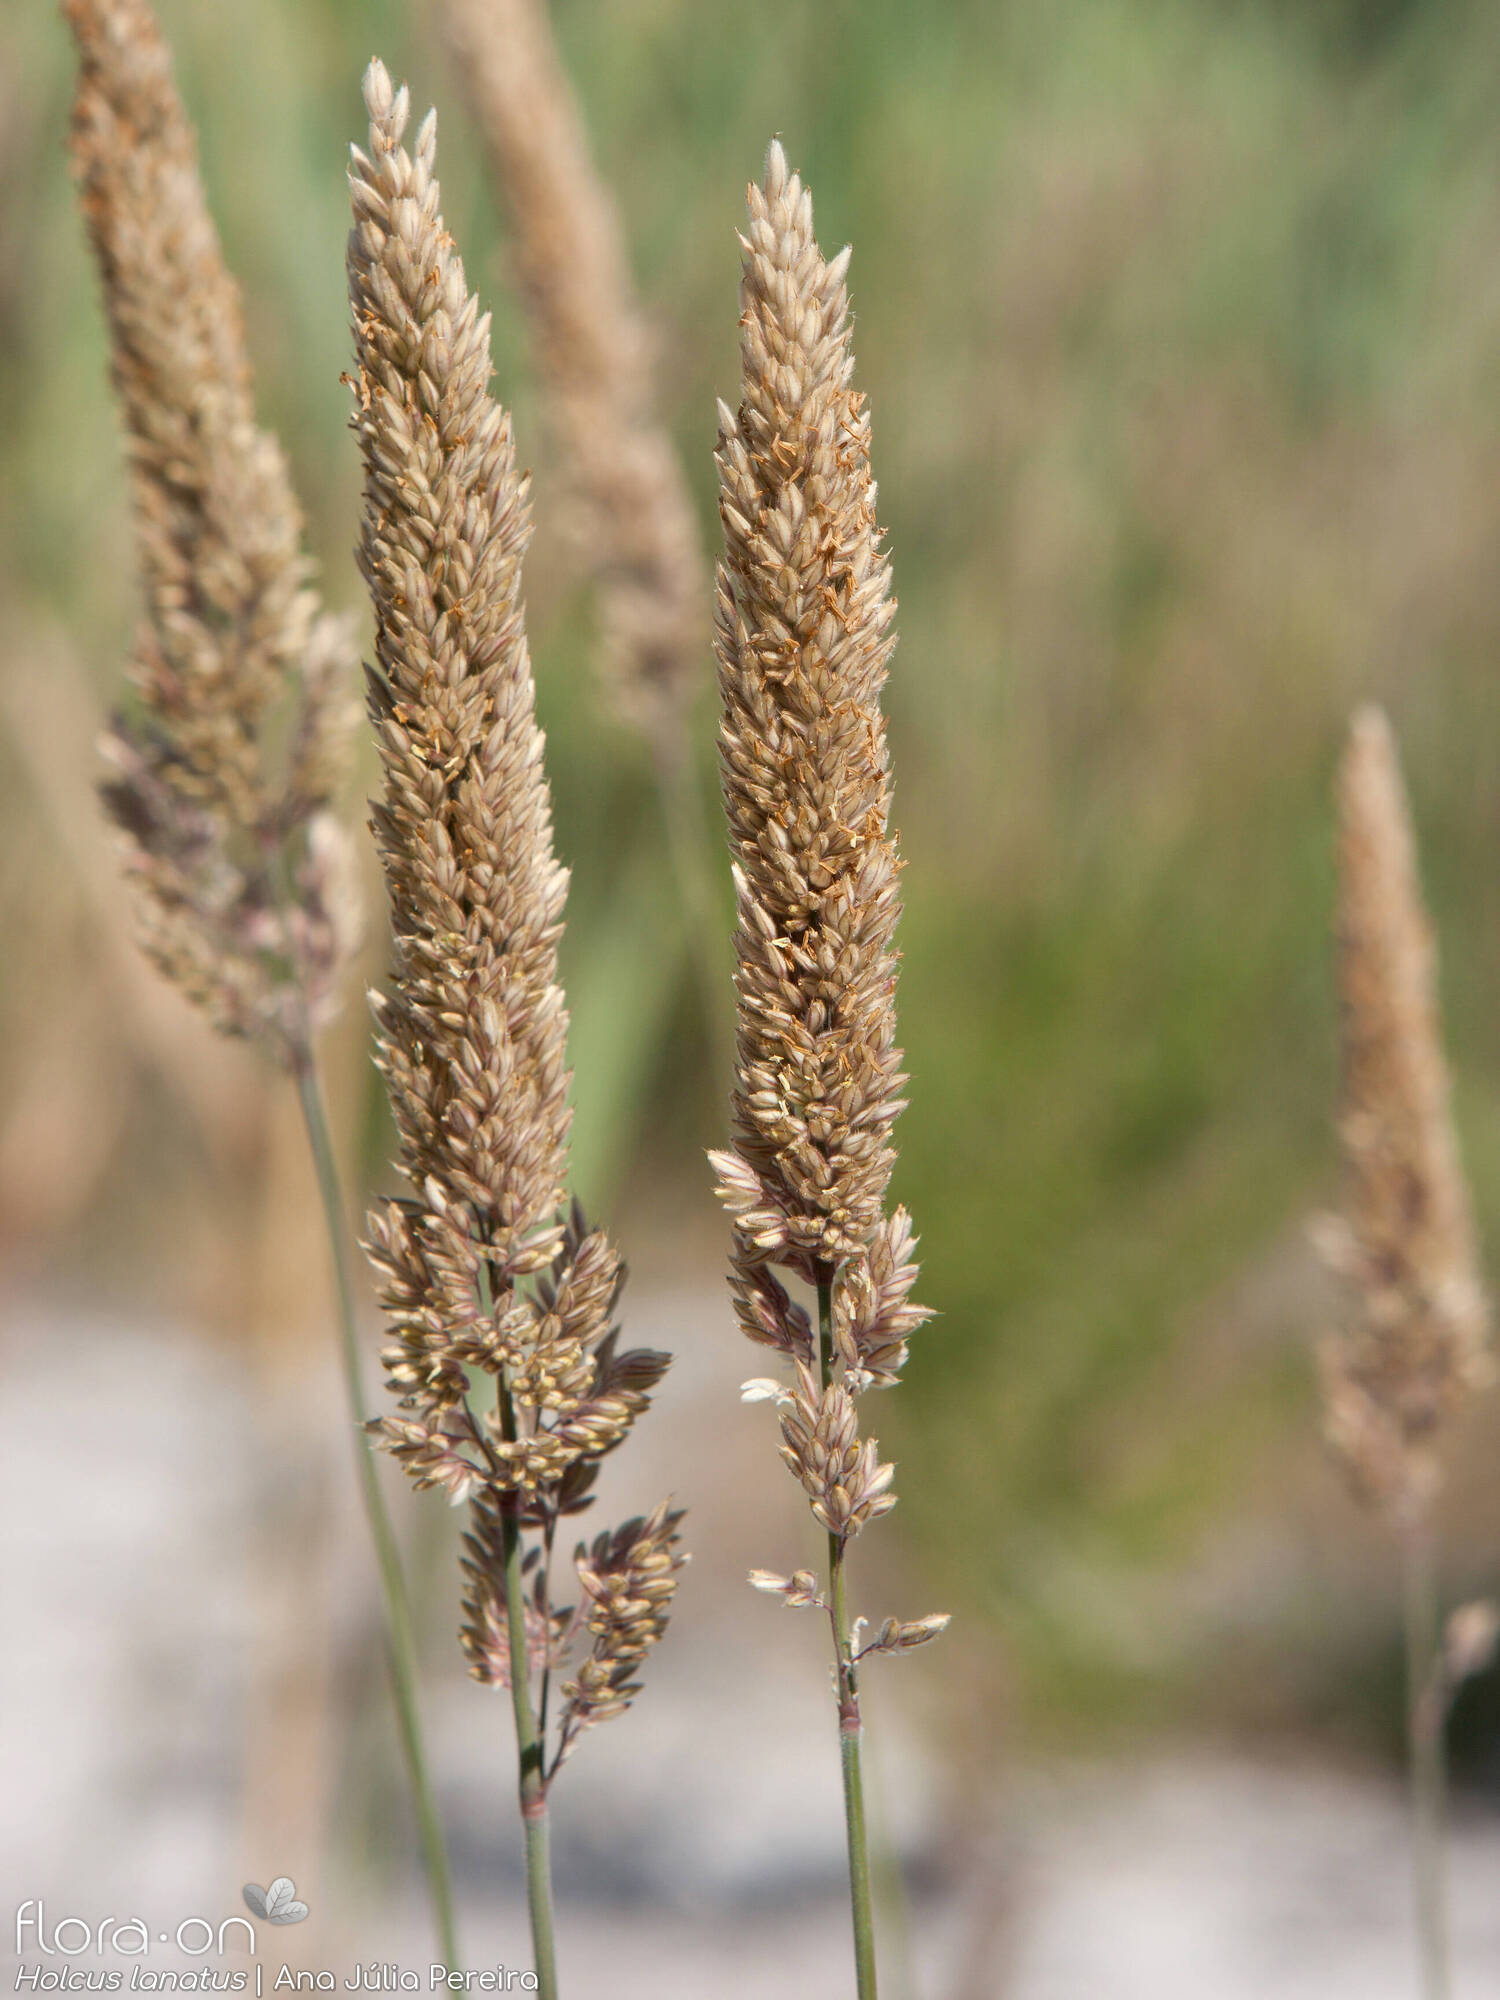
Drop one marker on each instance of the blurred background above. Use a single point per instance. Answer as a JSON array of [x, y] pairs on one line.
[[1180, 324]]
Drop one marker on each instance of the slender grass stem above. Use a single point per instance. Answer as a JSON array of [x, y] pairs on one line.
[[888, 1886], [850, 1728], [530, 1749], [400, 1635], [1424, 1721], [549, 1536]]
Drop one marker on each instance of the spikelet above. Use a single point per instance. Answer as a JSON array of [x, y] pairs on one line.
[[803, 642], [239, 861], [629, 513], [483, 1270], [629, 1578], [1405, 1242]]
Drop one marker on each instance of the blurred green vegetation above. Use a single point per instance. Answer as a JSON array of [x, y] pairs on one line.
[[1180, 322]]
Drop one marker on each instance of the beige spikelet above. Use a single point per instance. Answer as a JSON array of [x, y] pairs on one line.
[[629, 513], [239, 860], [483, 1270], [1404, 1241]]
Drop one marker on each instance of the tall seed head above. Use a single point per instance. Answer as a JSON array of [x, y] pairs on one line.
[[1405, 1240], [473, 1034], [484, 1273], [231, 839], [803, 615], [803, 642]]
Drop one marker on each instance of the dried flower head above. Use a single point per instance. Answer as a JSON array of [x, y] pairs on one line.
[[485, 1274], [225, 772], [803, 644], [1404, 1242], [629, 512]]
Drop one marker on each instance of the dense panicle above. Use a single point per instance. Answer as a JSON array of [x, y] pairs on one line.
[[486, 1275], [473, 1032], [629, 510], [1405, 1239], [803, 641], [224, 771]]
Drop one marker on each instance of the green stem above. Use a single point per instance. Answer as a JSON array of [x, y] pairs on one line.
[[529, 1746], [1424, 1720], [549, 1536], [850, 1729], [400, 1636], [892, 1907]]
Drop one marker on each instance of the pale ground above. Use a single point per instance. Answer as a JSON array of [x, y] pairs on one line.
[[145, 1770]]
